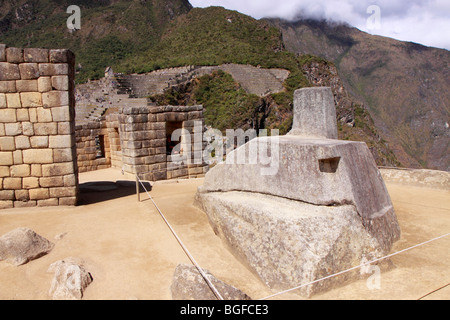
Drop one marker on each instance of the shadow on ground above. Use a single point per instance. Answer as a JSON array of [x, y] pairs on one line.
[[99, 191]]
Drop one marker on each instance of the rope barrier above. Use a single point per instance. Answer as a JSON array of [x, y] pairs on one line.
[[353, 268], [219, 296], [203, 274]]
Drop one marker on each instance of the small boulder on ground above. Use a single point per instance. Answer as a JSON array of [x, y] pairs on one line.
[[22, 245], [70, 279], [188, 284]]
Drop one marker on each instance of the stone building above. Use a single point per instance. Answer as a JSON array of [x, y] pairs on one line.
[[37, 133], [42, 148], [139, 140]]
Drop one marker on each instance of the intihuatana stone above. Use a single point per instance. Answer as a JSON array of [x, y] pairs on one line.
[[299, 207], [314, 114]]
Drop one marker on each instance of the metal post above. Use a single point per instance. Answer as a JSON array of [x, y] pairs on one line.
[[137, 189]]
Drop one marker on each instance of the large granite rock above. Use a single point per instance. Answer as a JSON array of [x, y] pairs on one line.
[[22, 245], [289, 243], [299, 207]]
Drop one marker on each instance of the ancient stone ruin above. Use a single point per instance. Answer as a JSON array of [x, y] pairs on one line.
[[44, 145], [318, 207], [37, 134]]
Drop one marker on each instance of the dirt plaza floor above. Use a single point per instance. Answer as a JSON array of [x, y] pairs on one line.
[[131, 253]]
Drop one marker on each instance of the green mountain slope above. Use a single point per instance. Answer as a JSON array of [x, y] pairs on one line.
[[405, 85]]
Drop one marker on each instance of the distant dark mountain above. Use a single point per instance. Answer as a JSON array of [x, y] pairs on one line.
[[405, 85]]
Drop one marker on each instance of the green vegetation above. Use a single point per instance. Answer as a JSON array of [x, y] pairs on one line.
[[226, 104]]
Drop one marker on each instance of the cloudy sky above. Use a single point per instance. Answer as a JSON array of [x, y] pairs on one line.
[[422, 21]]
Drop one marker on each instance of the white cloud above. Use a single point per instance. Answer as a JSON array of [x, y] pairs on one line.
[[422, 21]]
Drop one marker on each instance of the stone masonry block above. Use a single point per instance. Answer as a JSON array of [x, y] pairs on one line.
[[65, 128], [14, 55], [53, 69], [13, 129], [52, 202], [6, 204], [45, 129], [61, 141], [31, 99], [8, 115], [60, 83], [55, 98], [33, 115], [38, 156], [29, 71], [27, 85], [12, 183], [4, 171], [62, 155], [68, 201], [60, 55], [13, 100], [3, 101], [22, 115], [7, 86], [35, 55], [47, 182], [60, 192], [7, 144], [17, 157], [21, 195], [30, 183], [22, 170], [58, 169], [2, 52], [36, 170], [39, 141], [22, 142], [44, 115], [39, 194], [44, 84], [6, 194], [61, 114], [70, 180], [6, 158], [27, 129]]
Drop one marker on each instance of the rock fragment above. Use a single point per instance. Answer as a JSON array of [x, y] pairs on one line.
[[22, 245]]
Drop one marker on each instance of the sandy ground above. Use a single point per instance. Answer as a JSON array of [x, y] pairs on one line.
[[132, 254]]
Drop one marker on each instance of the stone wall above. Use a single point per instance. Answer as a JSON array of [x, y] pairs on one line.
[[434, 179], [93, 146], [143, 135], [37, 132]]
